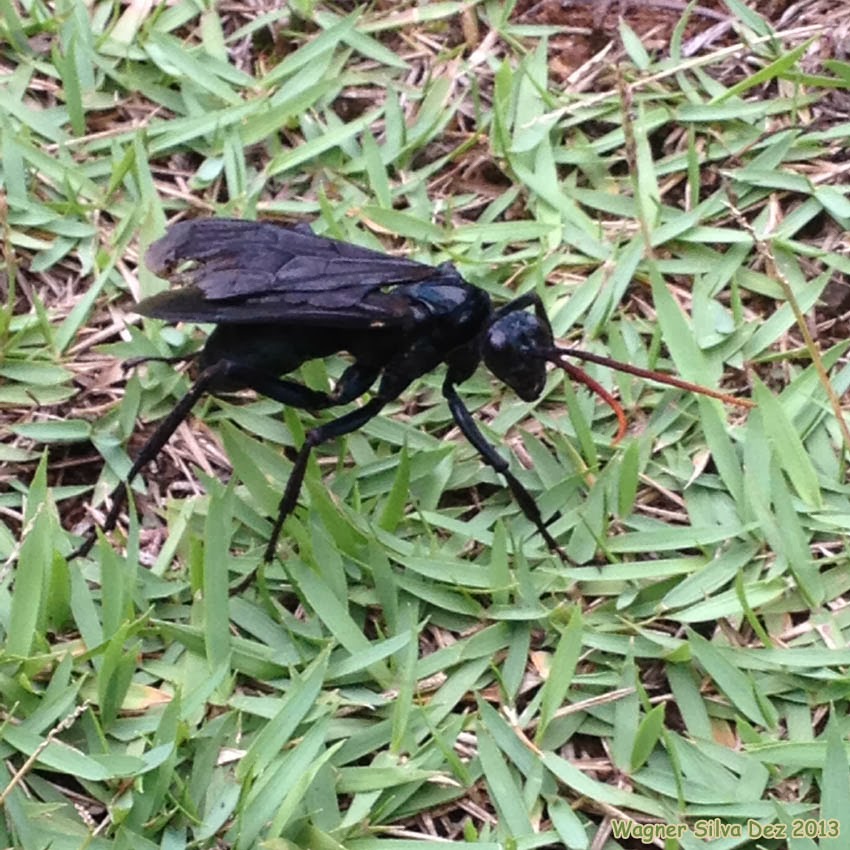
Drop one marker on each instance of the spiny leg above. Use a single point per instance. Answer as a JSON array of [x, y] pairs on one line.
[[493, 459], [133, 362], [328, 431], [231, 374], [151, 449]]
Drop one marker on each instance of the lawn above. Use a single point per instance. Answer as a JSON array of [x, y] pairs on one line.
[[415, 665]]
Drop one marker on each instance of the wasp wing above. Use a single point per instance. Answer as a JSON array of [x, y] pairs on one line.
[[253, 272]]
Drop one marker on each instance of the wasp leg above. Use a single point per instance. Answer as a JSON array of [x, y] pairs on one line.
[[353, 382], [520, 303], [151, 449], [328, 431], [232, 375], [493, 459]]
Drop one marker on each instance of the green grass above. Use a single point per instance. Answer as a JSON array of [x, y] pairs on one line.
[[416, 666]]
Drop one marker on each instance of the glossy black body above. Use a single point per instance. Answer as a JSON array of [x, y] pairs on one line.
[[282, 296]]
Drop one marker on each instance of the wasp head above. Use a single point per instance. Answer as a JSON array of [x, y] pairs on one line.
[[514, 351]]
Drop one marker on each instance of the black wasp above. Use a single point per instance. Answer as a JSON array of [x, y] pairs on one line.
[[280, 296]]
